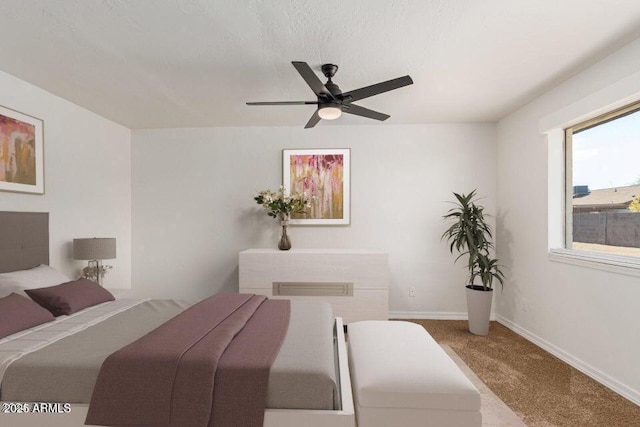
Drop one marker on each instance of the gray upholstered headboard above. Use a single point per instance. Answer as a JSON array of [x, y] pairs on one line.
[[24, 240]]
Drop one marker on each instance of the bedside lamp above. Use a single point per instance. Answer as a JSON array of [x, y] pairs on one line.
[[95, 250]]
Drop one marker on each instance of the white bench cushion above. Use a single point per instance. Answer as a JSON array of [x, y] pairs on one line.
[[399, 365]]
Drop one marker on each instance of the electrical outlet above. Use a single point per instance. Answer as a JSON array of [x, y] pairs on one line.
[[412, 291]]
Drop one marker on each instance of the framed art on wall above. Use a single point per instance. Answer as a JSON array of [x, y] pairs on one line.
[[324, 174], [21, 152]]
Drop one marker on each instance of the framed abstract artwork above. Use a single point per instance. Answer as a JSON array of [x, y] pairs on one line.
[[21, 152], [324, 174]]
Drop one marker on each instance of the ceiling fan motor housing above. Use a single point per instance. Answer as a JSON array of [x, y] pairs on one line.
[[327, 104], [333, 88]]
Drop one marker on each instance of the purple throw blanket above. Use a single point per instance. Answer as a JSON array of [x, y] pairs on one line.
[[208, 366]]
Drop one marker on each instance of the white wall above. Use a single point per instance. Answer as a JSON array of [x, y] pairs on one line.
[[193, 207], [589, 317], [87, 177]]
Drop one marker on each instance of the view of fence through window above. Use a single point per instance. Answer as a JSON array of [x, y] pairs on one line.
[[603, 172]]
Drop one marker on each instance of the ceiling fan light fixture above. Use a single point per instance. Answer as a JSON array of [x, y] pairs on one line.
[[329, 112]]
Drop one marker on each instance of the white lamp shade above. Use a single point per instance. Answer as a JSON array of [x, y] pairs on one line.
[[329, 113], [94, 248]]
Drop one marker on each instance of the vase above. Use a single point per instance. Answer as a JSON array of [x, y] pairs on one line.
[[284, 244], [479, 309]]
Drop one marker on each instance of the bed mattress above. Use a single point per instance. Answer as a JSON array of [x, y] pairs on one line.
[[60, 361]]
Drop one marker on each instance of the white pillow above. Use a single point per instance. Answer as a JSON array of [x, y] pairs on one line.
[[42, 276]]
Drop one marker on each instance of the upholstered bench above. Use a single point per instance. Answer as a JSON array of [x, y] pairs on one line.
[[402, 378]]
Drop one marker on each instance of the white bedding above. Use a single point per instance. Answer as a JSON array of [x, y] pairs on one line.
[[19, 344]]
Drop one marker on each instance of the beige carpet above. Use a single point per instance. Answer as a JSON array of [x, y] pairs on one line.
[[495, 413], [540, 388]]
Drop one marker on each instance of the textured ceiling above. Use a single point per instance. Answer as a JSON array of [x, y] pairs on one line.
[[190, 63]]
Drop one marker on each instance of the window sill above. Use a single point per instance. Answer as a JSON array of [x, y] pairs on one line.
[[629, 266]]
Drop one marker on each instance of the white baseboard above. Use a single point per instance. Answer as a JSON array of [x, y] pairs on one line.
[[432, 315], [585, 368]]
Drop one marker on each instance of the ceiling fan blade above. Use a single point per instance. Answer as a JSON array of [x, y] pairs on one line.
[[376, 89], [311, 78], [313, 120], [284, 103], [364, 112]]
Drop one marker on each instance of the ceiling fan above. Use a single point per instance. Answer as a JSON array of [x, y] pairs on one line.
[[331, 101]]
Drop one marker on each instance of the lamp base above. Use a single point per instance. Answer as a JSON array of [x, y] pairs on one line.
[[95, 268]]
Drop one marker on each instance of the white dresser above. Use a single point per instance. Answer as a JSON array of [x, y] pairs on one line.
[[354, 281]]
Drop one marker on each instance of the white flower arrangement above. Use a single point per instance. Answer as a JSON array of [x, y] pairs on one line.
[[281, 205], [91, 271]]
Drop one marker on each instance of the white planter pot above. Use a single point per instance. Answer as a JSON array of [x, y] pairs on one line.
[[479, 309]]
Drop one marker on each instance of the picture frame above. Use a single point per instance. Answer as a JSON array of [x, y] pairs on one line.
[[21, 152], [325, 175]]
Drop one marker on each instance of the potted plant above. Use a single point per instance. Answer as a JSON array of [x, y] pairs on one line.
[[469, 234]]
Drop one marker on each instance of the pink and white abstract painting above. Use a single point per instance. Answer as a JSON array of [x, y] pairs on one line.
[[21, 157], [322, 174]]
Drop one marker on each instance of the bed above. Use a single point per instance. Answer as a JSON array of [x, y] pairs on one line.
[[52, 362]]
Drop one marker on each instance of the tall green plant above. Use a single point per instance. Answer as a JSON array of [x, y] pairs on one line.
[[470, 234]]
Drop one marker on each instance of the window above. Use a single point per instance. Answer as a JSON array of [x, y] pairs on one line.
[[602, 194]]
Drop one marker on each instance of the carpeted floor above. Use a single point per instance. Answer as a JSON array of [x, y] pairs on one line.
[[495, 413], [540, 388]]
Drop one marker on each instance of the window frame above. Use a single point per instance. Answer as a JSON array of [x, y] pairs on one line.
[[624, 264], [568, 161]]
